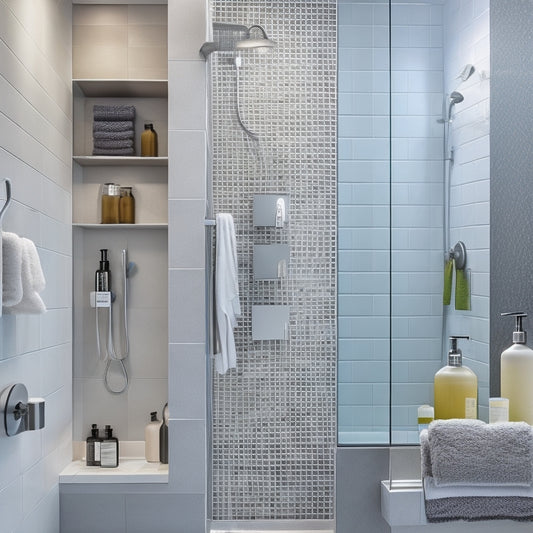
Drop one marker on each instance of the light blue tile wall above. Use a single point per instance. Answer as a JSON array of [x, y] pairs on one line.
[[368, 204], [470, 174]]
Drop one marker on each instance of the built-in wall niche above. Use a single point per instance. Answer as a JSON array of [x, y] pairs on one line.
[[150, 189], [149, 99], [108, 39]]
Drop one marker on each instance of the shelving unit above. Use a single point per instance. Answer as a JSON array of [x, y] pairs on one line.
[[122, 88], [89, 225], [147, 245], [120, 161]]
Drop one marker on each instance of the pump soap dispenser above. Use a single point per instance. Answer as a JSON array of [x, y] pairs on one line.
[[516, 374], [455, 386]]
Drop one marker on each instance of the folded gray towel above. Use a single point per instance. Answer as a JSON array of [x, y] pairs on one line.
[[106, 143], [425, 455], [110, 125], [113, 112], [479, 508], [116, 151], [506, 458], [113, 135]]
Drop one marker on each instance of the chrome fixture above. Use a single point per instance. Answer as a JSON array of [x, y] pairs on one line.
[[458, 253], [19, 412], [232, 37], [251, 42], [467, 71], [455, 98]]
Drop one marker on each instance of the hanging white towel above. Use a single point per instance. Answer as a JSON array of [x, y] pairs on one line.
[[228, 307], [33, 282], [11, 269]]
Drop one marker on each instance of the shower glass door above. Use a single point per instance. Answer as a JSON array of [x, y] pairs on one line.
[[399, 62]]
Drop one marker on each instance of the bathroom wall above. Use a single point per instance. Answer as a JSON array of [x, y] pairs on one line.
[[35, 152], [467, 41], [412, 186], [274, 416], [510, 166], [119, 42]]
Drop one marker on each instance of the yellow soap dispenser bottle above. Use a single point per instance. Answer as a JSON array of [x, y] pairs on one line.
[[516, 374], [455, 386]]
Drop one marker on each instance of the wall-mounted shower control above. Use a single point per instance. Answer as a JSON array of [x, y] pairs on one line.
[[271, 210], [19, 412], [271, 261]]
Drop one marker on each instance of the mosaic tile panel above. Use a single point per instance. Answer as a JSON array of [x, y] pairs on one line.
[[274, 417]]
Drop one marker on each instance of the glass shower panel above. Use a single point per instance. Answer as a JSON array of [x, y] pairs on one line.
[[417, 209], [364, 235]]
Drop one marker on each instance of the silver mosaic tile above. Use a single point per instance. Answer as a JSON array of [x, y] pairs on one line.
[[274, 418]]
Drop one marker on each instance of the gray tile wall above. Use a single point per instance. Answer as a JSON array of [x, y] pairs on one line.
[[274, 417], [511, 193]]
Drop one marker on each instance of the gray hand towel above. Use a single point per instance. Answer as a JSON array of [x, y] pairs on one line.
[[470, 452], [106, 143], [113, 135], [116, 151], [479, 508], [113, 112], [110, 125]]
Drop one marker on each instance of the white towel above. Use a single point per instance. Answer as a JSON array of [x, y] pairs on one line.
[[11, 269], [33, 282], [228, 307]]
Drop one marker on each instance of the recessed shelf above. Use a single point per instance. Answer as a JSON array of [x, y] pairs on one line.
[[123, 88], [155, 225], [122, 161]]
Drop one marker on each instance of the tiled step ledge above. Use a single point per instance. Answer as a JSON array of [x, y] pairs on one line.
[[132, 468]]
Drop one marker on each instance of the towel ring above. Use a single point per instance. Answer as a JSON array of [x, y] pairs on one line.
[[7, 182]]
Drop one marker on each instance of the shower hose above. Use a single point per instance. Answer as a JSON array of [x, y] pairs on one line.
[[109, 354]]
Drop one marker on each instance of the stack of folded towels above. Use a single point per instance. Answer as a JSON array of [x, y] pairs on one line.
[[477, 471], [113, 130], [22, 276]]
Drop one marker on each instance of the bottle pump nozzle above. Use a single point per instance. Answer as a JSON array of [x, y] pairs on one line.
[[455, 356], [519, 335], [104, 262]]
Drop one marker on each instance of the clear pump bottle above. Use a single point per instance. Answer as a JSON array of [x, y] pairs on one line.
[[455, 386], [516, 374]]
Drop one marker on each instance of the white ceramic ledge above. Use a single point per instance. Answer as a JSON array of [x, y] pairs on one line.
[[129, 470], [132, 467]]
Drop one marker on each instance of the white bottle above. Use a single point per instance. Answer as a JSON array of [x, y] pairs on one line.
[[516, 374], [151, 439]]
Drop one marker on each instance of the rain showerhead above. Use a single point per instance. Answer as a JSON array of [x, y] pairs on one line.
[[455, 98], [251, 42]]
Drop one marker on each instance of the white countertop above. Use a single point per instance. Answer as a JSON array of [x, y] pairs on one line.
[[129, 470]]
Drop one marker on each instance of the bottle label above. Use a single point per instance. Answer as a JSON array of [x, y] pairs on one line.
[[97, 451], [470, 407], [108, 454]]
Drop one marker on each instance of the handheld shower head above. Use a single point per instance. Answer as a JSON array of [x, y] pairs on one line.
[[455, 98]]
